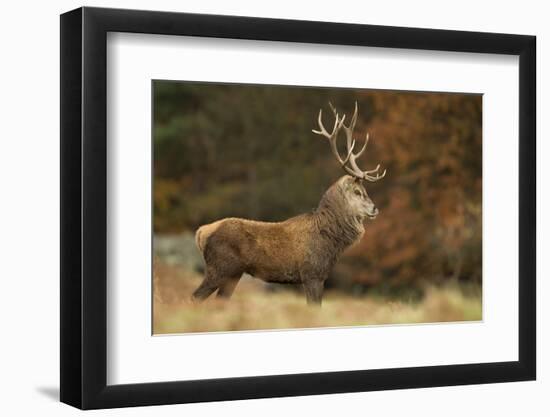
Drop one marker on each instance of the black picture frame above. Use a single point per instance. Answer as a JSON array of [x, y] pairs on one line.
[[84, 207]]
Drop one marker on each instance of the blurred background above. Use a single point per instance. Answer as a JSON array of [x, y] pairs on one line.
[[223, 150]]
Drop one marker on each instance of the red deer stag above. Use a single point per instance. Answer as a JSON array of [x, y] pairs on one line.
[[302, 249]]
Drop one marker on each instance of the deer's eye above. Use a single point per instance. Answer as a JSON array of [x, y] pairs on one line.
[[357, 192]]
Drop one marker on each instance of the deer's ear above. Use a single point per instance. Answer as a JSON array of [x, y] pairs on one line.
[[350, 182]]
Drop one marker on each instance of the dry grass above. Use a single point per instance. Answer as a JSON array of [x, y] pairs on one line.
[[253, 308]]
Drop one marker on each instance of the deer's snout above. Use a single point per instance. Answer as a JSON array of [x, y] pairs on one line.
[[373, 211]]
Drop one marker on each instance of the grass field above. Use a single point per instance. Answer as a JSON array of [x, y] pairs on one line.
[[254, 308]]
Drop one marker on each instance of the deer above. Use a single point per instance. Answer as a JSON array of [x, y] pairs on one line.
[[302, 249]]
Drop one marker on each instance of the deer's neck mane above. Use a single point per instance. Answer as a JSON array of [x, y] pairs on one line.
[[335, 222]]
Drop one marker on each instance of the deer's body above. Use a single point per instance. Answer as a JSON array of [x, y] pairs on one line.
[[273, 252], [300, 250]]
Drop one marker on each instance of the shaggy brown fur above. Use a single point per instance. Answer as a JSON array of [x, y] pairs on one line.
[[302, 249]]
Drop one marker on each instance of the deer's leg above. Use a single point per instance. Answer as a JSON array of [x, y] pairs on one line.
[[223, 270], [204, 290], [227, 288], [207, 287], [314, 291]]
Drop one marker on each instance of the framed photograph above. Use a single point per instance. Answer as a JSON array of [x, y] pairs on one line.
[[258, 208]]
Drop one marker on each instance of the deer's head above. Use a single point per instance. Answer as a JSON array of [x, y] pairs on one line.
[[351, 187], [356, 198]]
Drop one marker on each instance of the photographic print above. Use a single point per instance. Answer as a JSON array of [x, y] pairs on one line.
[[279, 207], [330, 184]]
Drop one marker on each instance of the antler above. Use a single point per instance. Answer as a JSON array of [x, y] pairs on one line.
[[366, 175], [351, 157], [338, 123]]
